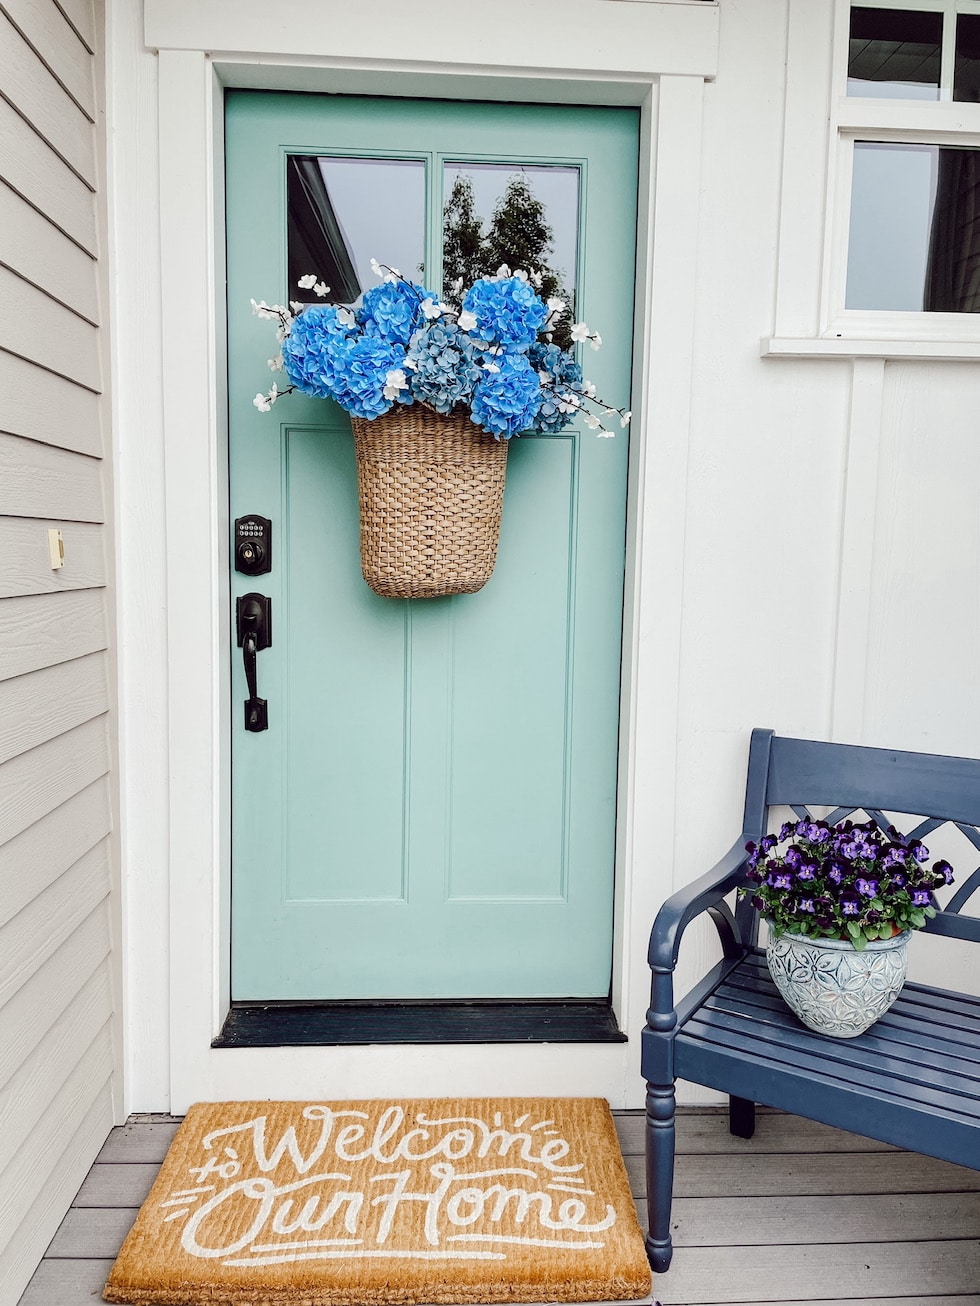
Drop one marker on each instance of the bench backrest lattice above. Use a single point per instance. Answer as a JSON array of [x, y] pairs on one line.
[[918, 793]]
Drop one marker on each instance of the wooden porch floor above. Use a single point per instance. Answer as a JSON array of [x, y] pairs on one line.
[[800, 1214]]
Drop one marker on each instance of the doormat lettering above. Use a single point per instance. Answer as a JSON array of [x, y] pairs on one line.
[[439, 1200]]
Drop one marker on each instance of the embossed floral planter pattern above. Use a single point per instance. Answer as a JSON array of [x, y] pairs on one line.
[[831, 987]]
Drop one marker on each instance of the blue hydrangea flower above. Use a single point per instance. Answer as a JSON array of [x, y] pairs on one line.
[[507, 312], [393, 310], [360, 371], [445, 368], [505, 402], [564, 372], [309, 353]]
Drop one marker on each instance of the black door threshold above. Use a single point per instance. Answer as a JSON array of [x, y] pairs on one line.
[[304, 1024]]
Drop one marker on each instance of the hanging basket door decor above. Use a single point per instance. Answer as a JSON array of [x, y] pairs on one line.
[[431, 491]]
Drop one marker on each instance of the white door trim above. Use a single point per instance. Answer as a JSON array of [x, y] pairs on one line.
[[192, 500]]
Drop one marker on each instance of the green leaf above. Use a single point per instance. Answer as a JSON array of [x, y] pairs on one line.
[[917, 919], [854, 930], [860, 942]]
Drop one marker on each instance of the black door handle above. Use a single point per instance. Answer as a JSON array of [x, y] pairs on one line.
[[254, 613]]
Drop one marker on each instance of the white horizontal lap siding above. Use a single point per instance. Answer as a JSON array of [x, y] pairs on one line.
[[58, 1053]]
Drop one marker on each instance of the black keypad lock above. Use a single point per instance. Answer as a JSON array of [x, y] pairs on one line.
[[253, 545]]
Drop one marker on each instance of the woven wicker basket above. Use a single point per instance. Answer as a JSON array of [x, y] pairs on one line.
[[431, 491]]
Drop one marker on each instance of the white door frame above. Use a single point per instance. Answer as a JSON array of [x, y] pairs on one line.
[[654, 55]]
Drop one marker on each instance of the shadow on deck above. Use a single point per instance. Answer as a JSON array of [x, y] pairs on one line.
[[801, 1213]]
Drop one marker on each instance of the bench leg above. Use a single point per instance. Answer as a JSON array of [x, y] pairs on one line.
[[741, 1117], [660, 1173]]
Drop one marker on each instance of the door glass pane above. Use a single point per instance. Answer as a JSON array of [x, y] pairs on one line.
[[894, 53], [966, 78], [520, 214], [342, 212], [914, 240]]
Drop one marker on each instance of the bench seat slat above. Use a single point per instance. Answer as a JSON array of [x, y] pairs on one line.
[[916, 1048], [945, 1007], [899, 1034], [842, 1059], [867, 1107]]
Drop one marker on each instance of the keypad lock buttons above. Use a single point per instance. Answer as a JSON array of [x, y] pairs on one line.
[[253, 545]]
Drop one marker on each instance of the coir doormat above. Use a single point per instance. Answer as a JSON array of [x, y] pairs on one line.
[[444, 1200]]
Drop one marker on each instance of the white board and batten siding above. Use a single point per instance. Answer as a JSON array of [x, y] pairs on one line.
[[803, 549], [58, 1044]]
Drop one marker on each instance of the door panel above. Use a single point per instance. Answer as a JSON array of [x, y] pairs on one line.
[[431, 813]]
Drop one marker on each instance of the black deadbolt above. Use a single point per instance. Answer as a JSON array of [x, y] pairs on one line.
[[253, 545]]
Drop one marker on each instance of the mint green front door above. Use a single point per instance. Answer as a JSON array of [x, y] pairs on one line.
[[431, 812]]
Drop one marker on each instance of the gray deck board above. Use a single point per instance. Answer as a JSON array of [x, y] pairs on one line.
[[800, 1215]]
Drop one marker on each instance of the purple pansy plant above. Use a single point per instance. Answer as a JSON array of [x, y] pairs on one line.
[[850, 881]]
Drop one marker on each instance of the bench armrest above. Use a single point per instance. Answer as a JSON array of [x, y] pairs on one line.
[[702, 895]]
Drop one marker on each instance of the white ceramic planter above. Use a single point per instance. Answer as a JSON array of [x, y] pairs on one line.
[[831, 987]]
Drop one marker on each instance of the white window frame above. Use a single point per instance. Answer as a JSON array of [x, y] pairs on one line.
[[821, 125]]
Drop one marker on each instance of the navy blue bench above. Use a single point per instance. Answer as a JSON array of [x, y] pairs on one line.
[[913, 1079]]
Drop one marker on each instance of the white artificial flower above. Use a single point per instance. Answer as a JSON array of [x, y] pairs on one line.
[[346, 317], [592, 422], [569, 402], [545, 377], [606, 435], [412, 364], [625, 419], [491, 367], [431, 309], [588, 389], [456, 289], [275, 364], [321, 288], [296, 305], [308, 281], [264, 402], [502, 271], [580, 331], [395, 380], [384, 272], [466, 321], [521, 275], [595, 341], [556, 307], [535, 278]]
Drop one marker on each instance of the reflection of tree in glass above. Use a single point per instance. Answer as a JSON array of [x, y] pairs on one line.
[[462, 237], [519, 236]]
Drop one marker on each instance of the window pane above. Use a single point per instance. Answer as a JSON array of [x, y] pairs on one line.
[[966, 78], [914, 240], [343, 212], [523, 215], [894, 53]]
